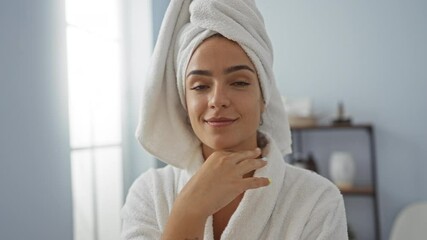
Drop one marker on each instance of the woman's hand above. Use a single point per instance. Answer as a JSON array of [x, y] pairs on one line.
[[219, 181]]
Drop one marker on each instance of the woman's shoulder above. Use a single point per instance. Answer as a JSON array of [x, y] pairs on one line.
[[153, 174], [155, 188], [157, 179], [310, 205], [150, 200], [306, 182]]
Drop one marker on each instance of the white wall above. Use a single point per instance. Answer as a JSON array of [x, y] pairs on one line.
[[371, 55], [35, 186]]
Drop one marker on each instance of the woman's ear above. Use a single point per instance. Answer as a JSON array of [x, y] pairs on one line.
[[187, 120], [262, 106]]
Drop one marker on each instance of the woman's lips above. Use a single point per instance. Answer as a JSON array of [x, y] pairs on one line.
[[220, 122]]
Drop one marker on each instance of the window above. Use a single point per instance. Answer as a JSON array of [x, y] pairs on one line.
[[94, 54]]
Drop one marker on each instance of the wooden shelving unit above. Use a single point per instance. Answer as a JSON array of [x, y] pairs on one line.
[[358, 191], [363, 191]]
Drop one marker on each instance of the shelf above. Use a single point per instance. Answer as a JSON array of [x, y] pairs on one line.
[[357, 191], [329, 127], [370, 191]]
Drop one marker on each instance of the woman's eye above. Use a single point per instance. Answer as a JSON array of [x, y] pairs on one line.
[[240, 83], [199, 87]]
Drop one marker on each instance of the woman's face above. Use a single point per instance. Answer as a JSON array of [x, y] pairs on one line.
[[223, 96]]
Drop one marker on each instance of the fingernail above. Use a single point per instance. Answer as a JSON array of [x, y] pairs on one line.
[[269, 180], [264, 158]]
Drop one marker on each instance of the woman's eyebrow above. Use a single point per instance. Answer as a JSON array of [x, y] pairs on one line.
[[238, 68], [226, 71], [200, 72]]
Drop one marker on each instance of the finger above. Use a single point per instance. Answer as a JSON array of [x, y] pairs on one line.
[[249, 165], [255, 182], [237, 157]]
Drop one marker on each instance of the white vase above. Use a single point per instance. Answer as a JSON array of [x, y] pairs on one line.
[[342, 169]]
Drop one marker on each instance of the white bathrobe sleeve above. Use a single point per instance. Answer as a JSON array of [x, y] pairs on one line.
[[328, 219], [139, 215]]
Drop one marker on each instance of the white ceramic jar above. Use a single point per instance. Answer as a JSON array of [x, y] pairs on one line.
[[342, 169]]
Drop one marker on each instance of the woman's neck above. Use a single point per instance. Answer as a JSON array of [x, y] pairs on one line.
[[207, 151], [260, 141], [247, 146]]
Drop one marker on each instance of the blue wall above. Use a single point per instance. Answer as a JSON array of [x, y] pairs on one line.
[[35, 181], [372, 56], [159, 9]]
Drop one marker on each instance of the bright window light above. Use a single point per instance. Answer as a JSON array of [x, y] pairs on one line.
[[94, 85], [94, 76], [96, 16]]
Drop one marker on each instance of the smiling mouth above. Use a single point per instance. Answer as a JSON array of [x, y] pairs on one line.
[[220, 122]]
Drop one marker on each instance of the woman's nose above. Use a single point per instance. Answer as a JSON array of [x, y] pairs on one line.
[[219, 98]]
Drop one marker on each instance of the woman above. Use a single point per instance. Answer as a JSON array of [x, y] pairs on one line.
[[213, 112]]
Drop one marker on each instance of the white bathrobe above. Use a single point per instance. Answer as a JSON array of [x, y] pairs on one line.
[[298, 204]]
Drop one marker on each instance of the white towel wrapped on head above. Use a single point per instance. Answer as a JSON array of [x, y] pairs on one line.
[[163, 130]]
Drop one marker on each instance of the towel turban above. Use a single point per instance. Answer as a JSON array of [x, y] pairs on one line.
[[163, 129]]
